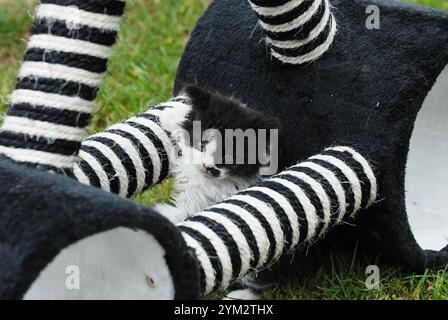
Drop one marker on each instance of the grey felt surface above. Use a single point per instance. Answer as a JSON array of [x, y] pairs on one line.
[[427, 169]]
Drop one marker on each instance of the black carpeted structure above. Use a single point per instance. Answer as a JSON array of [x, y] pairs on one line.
[[365, 92], [43, 214]]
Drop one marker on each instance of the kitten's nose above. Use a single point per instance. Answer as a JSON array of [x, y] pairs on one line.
[[211, 170]]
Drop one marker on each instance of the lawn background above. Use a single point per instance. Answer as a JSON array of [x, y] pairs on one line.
[[141, 73]]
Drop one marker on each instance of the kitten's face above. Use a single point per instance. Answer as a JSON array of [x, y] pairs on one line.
[[211, 159], [211, 156], [211, 162], [201, 159]]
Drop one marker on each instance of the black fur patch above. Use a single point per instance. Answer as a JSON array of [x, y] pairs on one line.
[[219, 112]]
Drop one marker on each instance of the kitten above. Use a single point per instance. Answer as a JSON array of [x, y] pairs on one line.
[[209, 169]]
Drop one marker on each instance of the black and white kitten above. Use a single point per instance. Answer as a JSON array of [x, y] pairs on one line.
[[202, 178], [207, 172]]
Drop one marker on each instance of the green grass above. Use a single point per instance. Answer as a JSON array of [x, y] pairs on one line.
[[438, 4], [141, 73], [342, 277]]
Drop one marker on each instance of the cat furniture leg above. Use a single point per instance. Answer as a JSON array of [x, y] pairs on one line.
[[63, 67], [251, 230], [129, 157], [296, 31]]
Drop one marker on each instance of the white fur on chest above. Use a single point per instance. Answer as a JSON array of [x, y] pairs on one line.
[[194, 190]]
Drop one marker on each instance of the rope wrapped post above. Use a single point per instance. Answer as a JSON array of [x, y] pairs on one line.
[[251, 230], [131, 156], [297, 31], [63, 67]]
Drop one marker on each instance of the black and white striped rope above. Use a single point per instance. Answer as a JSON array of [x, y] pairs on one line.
[[131, 156], [63, 67], [252, 229], [297, 31]]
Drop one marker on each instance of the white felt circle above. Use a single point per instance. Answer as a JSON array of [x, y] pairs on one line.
[[117, 264], [427, 170]]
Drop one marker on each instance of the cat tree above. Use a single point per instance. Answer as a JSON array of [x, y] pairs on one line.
[[364, 93]]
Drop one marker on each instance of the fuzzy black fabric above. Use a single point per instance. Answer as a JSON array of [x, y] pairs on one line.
[[43, 213], [365, 92]]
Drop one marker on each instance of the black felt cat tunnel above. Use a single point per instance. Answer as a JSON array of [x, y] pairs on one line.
[[51, 222], [382, 91]]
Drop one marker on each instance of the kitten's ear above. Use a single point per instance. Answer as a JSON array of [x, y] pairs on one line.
[[200, 98]]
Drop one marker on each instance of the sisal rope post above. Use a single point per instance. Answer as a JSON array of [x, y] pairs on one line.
[[296, 31], [64, 63], [251, 230], [129, 157]]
